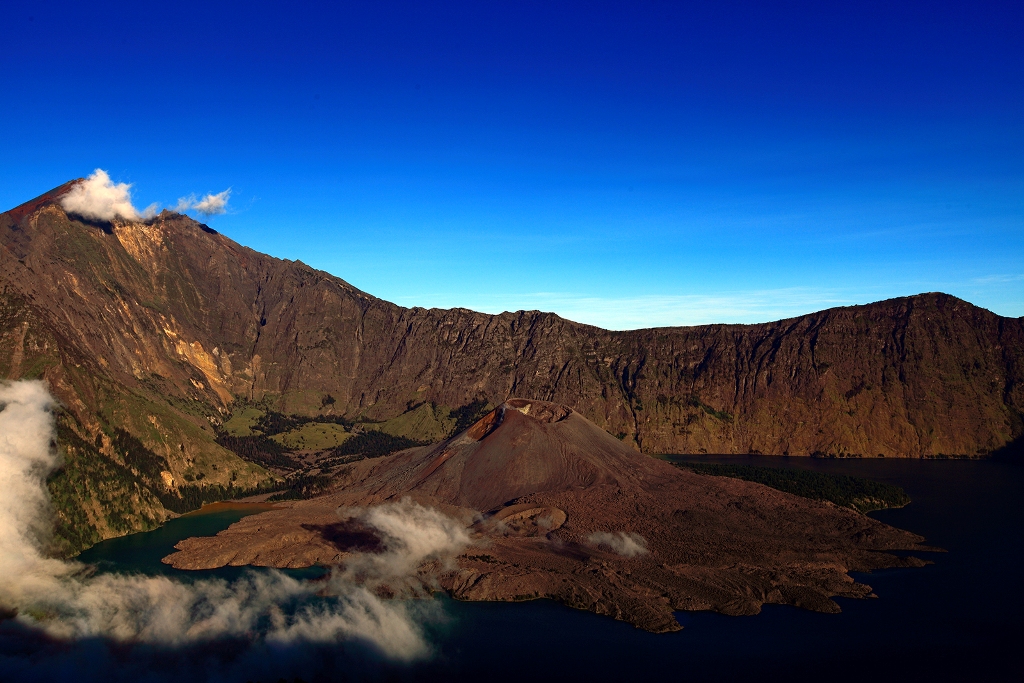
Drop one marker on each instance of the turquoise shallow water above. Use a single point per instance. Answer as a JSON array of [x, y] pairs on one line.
[[141, 553], [961, 618]]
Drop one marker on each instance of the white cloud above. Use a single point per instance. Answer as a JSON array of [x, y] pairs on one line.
[[998, 279], [67, 601], [213, 204], [410, 536], [185, 203], [99, 198], [210, 205], [627, 544]]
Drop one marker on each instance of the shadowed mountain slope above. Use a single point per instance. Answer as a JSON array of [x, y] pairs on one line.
[[160, 327]]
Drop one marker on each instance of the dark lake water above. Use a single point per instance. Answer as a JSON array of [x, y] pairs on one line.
[[961, 618]]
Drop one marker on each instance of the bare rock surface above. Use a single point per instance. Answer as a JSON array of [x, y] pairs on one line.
[[560, 509]]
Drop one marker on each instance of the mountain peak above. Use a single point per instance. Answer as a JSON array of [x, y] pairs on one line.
[[45, 199]]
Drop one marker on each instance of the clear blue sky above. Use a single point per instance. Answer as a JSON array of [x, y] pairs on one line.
[[624, 164]]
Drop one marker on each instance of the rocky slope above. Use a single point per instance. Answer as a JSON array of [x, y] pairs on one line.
[[159, 328]]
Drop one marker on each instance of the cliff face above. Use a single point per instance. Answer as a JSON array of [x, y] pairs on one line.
[[182, 321]]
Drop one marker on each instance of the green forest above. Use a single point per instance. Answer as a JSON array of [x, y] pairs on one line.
[[863, 495]]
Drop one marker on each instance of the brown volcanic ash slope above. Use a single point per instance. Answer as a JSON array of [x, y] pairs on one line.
[[576, 516]]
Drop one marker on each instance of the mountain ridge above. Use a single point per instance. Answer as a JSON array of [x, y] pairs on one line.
[[161, 327]]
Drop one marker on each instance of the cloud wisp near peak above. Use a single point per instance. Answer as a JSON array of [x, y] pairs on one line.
[[99, 198]]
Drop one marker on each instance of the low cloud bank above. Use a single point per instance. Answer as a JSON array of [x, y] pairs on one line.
[[99, 198], [68, 600], [210, 205], [411, 536], [627, 544]]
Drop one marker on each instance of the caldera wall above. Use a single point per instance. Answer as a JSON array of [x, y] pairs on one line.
[[174, 310]]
